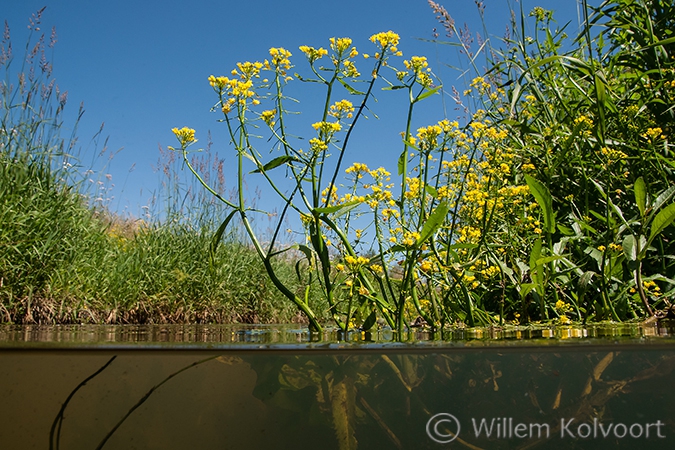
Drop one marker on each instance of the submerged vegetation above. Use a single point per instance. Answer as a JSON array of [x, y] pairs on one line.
[[65, 259], [552, 202]]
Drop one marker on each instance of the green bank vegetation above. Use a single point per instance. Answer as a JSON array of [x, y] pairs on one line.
[[65, 259], [551, 203]]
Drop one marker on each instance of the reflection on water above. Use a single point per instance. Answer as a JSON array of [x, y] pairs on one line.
[[605, 393], [188, 336]]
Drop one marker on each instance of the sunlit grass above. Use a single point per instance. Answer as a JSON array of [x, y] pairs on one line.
[[64, 258]]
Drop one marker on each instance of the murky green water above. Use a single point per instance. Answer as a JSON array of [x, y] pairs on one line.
[[210, 387]]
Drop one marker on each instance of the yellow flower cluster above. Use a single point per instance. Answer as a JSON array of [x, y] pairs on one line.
[[185, 135], [428, 137], [414, 187], [349, 69], [416, 63], [541, 14], [355, 263], [342, 109], [280, 58], [268, 116], [312, 53], [317, 145], [613, 155], [480, 85], [561, 307], [652, 288], [340, 45], [653, 134], [585, 124], [237, 90], [333, 195], [388, 213], [357, 168], [327, 128], [469, 234], [247, 70], [386, 40]]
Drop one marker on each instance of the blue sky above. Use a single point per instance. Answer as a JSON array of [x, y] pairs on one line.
[[141, 66]]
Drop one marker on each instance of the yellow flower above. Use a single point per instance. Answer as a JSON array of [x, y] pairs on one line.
[[312, 53], [410, 238], [426, 265], [280, 57], [385, 40], [185, 135], [339, 45], [327, 127], [616, 247], [562, 307], [268, 115], [416, 63], [583, 121], [653, 133], [350, 69], [342, 108]]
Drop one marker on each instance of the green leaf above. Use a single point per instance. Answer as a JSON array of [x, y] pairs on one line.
[[336, 208], [662, 198], [545, 201], [434, 221], [393, 88], [304, 249], [664, 218], [219, 234], [349, 88], [585, 282], [401, 161], [370, 321], [630, 247], [547, 259], [431, 190], [640, 195], [297, 270], [310, 80], [536, 253], [525, 289], [633, 248], [276, 162], [428, 93]]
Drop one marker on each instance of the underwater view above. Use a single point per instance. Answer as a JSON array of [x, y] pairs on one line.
[[215, 387]]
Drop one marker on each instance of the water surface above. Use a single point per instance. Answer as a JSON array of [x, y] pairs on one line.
[[217, 387]]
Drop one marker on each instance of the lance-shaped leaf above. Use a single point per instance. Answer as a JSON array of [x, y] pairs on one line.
[[545, 201], [426, 94], [276, 162], [219, 233], [664, 218], [350, 88], [343, 208], [640, 195], [632, 247], [401, 161], [434, 221], [431, 190]]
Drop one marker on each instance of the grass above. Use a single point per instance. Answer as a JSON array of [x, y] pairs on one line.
[[551, 202], [65, 259]]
